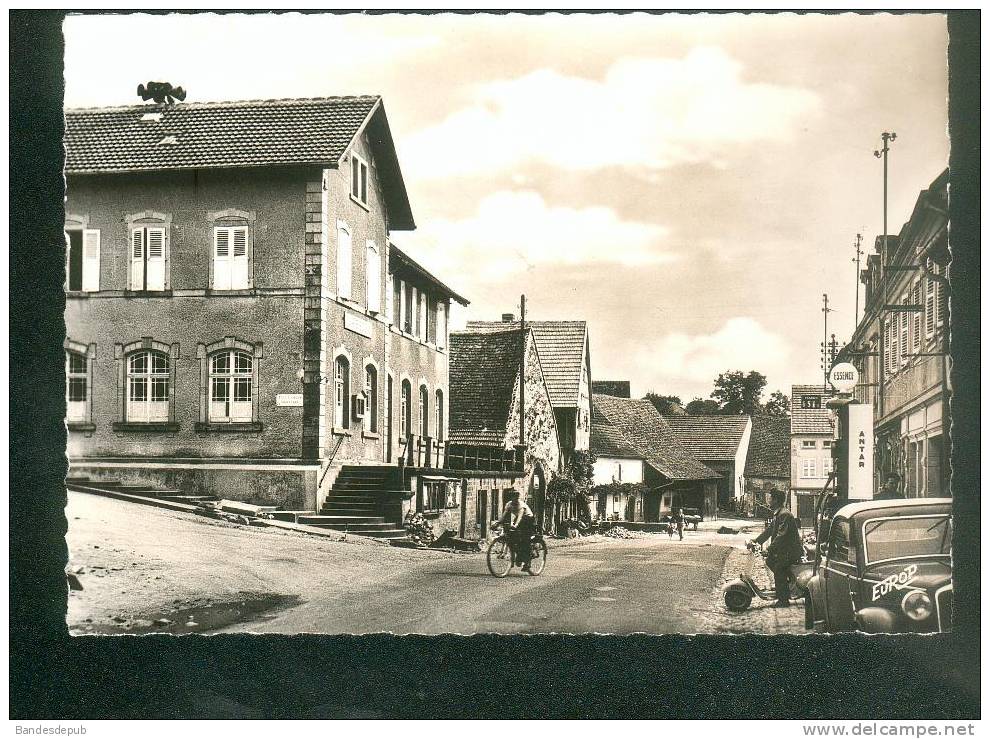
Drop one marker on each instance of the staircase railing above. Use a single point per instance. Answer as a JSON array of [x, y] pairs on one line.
[[323, 476]]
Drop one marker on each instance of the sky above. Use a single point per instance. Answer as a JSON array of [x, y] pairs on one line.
[[688, 184]]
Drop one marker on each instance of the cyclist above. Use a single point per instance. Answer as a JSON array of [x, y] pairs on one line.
[[520, 522]]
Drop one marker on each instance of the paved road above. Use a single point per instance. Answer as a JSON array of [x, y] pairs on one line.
[[140, 563]]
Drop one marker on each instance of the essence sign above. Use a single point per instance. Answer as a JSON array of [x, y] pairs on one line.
[[843, 377], [860, 451]]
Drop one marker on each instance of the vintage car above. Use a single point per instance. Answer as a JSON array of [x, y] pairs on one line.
[[884, 566]]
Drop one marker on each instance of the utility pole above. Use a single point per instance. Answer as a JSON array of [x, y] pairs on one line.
[[859, 253], [522, 371], [887, 137], [825, 365]]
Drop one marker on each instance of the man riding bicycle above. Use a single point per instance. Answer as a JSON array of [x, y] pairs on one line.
[[519, 523]]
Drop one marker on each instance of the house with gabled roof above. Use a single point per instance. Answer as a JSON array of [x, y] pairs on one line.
[[768, 461], [238, 320], [566, 359], [722, 443], [633, 443], [485, 411], [812, 430]]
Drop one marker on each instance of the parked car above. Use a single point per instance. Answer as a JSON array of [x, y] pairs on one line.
[[884, 566]]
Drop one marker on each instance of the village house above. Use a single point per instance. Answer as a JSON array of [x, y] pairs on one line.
[[634, 445], [721, 443], [901, 347], [768, 462], [238, 320], [485, 422], [565, 356], [812, 435]]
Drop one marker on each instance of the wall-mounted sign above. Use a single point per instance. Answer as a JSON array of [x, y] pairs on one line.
[[289, 400], [811, 402], [843, 377], [860, 451], [358, 324]]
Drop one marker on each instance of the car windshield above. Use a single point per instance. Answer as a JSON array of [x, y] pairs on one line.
[[892, 538]]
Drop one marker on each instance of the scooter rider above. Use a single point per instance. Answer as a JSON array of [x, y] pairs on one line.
[[520, 523], [785, 546]]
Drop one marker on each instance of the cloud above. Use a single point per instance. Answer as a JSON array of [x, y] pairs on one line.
[[693, 362], [646, 113], [515, 230]]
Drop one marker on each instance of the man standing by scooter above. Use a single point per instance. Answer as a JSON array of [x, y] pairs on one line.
[[785, 546]]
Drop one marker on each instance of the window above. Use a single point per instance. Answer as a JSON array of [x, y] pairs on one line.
[[441, 325], [941, 307], [431, 320], [341, 392], [424, 411], [407, 308], [808, 469], [147, 387], [838, 542], [917, 317], [371, 393], [231, 270], [373, 277], [231, 384], [395, 313], [76, 386], [809, 444], [405, 410], [421, 317], [903, 339], [826, 466], [439, 415], [929, 304], [148, 256], [83, 259], [359, 179], [827, 444], [344, 266]]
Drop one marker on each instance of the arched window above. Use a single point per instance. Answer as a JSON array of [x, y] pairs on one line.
[[341, 392], [405, 410], [231, 386], [147, 387], [371, 393], [76, 386], [424, 411], [439, 412]]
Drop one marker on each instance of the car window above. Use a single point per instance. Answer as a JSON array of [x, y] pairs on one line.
[[838, 543], [891, 538]]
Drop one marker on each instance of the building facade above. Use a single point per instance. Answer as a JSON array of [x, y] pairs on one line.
[[901, 347], [231, 313], [768, 463], [721, 443], [812, 436]]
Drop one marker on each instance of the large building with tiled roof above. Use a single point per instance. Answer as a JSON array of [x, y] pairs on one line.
[[722, 443], [633, 443], [485, 402], [768, 460], [812, 431], [566, 358], [238, 320]]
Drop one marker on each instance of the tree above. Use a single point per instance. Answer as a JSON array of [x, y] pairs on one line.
[[778, 406], [699, 407], [739, 394], [665, 404]]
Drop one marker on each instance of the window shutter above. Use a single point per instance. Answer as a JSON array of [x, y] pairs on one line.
[[389, 299], [916, 322], [940, 302], [441, 325], [415, 312], [903, 343], [156, 258], [137, 259], [221, 259], [91, 260], [344, 263], [929, 307], [431, 320], [239, 272], [374, 278]]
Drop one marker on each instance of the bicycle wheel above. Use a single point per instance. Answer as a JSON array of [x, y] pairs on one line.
[[539, 560], [499, 557]]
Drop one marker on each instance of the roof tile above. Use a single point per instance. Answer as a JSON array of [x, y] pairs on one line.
[[710, 437]]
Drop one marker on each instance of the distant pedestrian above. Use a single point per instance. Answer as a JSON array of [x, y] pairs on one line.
[[891, 489], [677, 522]]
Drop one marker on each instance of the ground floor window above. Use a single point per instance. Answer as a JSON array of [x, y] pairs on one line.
[[148, 385], [231, 383], [76, 386]]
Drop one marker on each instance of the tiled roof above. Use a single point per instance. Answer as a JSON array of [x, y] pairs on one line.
[[400, 261], [484, 372], [769, 452], [250, 133], [810, 420], [561, 347], [710, 438], [618, 388], [626, 427]]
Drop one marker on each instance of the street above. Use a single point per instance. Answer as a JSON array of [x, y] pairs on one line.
[[139, 565]]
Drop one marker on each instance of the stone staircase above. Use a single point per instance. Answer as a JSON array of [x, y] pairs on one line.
[[365, 500]]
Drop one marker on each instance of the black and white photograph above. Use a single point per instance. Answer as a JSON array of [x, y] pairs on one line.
[[508, 324]]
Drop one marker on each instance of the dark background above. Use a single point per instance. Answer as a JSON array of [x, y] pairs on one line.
[[241, 676]]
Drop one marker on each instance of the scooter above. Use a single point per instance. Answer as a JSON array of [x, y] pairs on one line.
[[739, 593]]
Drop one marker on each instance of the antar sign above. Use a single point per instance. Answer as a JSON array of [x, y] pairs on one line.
[[859, 462]]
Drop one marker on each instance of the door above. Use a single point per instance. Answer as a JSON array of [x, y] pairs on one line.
[[483, 513], [840, 569]]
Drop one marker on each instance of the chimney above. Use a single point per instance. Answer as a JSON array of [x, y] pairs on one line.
[[508, 318]]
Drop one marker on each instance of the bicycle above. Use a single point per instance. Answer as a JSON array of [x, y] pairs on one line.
[[501, 558]]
